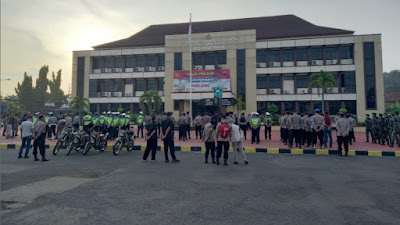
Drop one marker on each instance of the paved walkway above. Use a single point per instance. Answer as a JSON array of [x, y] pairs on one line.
[[360, 143]]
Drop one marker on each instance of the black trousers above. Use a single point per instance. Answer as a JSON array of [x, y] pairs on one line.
[[51, 131], [76, 126], [255, 135], [343, 140], [285, 135], [159, 129], [210, 146], [320, 136], [151, 146], [244, 129], [225, 145], [188, 130], [268, 130], [199, 131], [40, 143], [140, 129], [182, 132], [309, 135], [303, 137], [294, 134], [169, 143]]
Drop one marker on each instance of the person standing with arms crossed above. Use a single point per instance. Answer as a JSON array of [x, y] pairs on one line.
[[268, 125], [167, 126], [27, 130], [40, 138], [317, 125], [342, 132], [151, 139]]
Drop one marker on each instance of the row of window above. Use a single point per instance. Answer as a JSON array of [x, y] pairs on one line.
[[97, 88], [309, 106], [113, 107], [147, 62]]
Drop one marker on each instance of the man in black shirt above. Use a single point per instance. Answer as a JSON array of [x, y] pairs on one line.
[[151, 139], [167, 126]]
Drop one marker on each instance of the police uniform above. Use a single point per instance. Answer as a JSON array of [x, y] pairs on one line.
[[374, 129], [140, 125], [87, 123], [255, 124], [268, 126], [368, 128], [295, 124]]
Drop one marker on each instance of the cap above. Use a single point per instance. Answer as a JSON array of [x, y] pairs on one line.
[[123, 114], [50, 113], [140, 112], [341, 113], [374, 114], [37, 113], [129, 112], [267, 113], [367, 114], [380, 114], [301, 114], [117, 113], [316, 110], [109, 112], [96, 113], [169, 113], [104, 112]]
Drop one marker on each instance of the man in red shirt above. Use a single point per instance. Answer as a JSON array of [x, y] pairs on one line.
[[327, 129]]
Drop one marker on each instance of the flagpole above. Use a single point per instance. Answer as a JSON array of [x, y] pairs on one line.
[[191, 66]]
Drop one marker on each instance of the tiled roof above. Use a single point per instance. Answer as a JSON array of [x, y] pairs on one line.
[[285, 26], [392, 96]]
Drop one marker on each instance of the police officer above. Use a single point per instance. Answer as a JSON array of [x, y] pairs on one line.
[[352, 123], [128, 120], [182, 122], [188, 123], [151, 139], [368, 127], [52, 121], [87, 122], [295, 124], [303, 128], [382, 129], [317, 126], [374, 129], [255, 124], [285, 127], [35, 118], [40, 139], [309, 130], [243, 124], [167, 126], [396, 129], [342, 132], [76, 122], [268, 125], [68, 120], [102, 122], [198, 124], [95, 120], [115, 124], [109, 120], [140, 123]]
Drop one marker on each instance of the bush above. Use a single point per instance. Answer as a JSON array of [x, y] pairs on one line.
[[343, 110]]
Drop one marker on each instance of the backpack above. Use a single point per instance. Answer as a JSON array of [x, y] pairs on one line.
[[224, 130], [242, 119]]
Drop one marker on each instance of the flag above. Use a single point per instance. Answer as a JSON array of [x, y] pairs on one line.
[[190, 29]]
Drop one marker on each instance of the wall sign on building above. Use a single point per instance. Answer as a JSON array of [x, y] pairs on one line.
[[202, 80]]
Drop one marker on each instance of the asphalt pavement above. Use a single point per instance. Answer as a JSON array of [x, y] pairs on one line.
[[101, 188]]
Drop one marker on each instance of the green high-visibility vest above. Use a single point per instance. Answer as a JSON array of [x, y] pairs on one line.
[[254, 121], [122, 121], [128, 119], [268, 120], [35, 119], [109, 120], [46, 119], [140, 119], [87, 120], [95, 119], [115, 121], [102, 119]]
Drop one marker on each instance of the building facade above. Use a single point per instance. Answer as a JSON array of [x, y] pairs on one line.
[[264, 61]]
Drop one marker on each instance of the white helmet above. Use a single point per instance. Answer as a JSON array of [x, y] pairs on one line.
[[123, 114], [140, 112], [109, 112], [267, 113]]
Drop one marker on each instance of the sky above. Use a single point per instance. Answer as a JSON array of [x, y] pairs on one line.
[[45, 32]]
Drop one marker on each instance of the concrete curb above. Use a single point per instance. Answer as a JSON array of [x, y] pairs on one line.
[[292, 151]]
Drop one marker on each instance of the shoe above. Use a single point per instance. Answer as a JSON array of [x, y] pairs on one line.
[[26, 157], [213, 162], [339, 153], [19, 157], [153, 160], [176, 160], [235, 162], [322, 147], [167, 161], [225, 163], [246, 162], [290, 146], [346, 154], [45, 160], [36, 159], [299, 146], [313, 147], [206, 162], [367, 141], [217, 161]]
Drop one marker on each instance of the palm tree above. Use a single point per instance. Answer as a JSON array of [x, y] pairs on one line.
[[79, 103], [323, 80], [16, 107], [152, 100], [241, 105]]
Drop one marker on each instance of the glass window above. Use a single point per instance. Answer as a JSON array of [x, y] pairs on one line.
[[161, 60], [317, 105], [304, 107], [302, 81], [241, 71], [210, 59], [369, 74], [274, 82], [331, 53], [197, 59], [139, 85], [117, 85], [139, 60], [108, 62], [351, 107], [290, 106], [80, 76], [119, 62], [108, 86], [261, 82], [278, 104], [349, 81], [275, 56], [96, 63], [288, 55], [129, 62], [302, 54], [178, 61], [151, 84], [221, 58], [103, 107], [151, 60], [346, 52], [261, 56], [334, 107], [317, 53], [93, 88], [176, 105], [93, 107], [128, 81], [126, 106], [160, 84], [114, 107]]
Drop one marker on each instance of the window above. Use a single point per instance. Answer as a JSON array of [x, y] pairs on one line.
[[139, 60], [139, 85], [241, 71], [126, 106], [176, 105], [304, 107], [274, 56], [261, 82], [129, 62], [151, 61], [108, 62], [331, 53], [178, 61], [114, 107], [346, 52], [161, 60], [80, 76], [128, 81], [210, 58], [349, 81], [369, 74], [262, 107], [103, 107], [302, 81], [119, 62], [221, 58], [93, 88], [334, 107], [288, 55], [317, 105], [96, 63], [107, 85], [290, 106], [160, 84], [151, 84], [93, 107], [117, 86], [274, 82], [261, 56], [351, 107], [316, 54], [302, 54], [197, 59], [278, 104]]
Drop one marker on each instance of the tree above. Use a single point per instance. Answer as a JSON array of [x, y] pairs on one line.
[[79, 103], [391, 108], [241, 105], [151, 100], [16, 107], [25, 92], [40, 91], [57, 95], [392, 81], [322, 80]]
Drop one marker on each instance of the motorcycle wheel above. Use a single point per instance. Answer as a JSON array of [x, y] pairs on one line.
[[87, 147], [104, 147], [57, 147], [117, 147], [130, 146], [71, 147]]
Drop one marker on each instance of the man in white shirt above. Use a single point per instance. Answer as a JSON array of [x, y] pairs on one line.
[[27, 129], [237, 143]]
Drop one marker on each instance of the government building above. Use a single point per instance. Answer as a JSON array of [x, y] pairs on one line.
[[263, 60]]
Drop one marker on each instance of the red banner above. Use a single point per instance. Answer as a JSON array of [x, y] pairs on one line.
[[202, 80]]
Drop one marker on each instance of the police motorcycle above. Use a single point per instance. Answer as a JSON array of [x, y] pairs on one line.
[[96, 140], [64, 140], [79, 140], [103, 141], [125, 137]]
